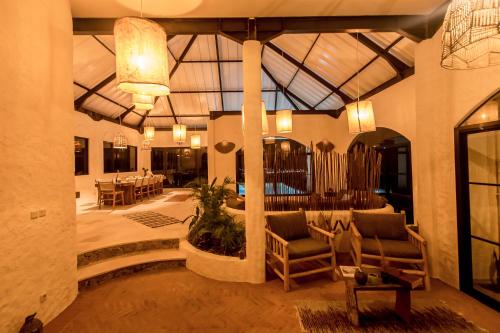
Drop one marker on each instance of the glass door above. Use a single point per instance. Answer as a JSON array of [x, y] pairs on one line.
[[477, 147]]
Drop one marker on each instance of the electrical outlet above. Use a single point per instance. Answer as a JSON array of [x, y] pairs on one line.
[[43, 298], [42, 213], [34, 215]]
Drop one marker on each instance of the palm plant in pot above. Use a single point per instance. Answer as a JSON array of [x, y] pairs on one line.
[[211, 228]]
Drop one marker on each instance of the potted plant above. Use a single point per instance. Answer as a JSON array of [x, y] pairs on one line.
[[212, 229]]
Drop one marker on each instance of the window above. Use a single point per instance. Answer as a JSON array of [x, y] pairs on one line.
[[180, 165], [119, 160], [81, 156]]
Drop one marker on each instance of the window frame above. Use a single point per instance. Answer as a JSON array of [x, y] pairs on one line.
[[115, 170], [86, 157]]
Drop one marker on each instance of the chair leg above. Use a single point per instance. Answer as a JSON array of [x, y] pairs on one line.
[[123, 198], [427, 278], [114, 200], [286, 274], [334, 266]]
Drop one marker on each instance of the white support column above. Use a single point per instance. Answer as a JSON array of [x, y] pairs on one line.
[[254, 169]]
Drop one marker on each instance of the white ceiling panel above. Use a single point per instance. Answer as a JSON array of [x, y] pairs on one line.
[[111, 91], [280, 69], [161, 107], [195, 76], [132, 119], [299, 104], [267, 83], [195, 103], [92, 62], [282, 102], [199, 122], [78, 91], [296, 45], [102, 106], [334, 57], [229, 49], [203, 48], [177, 44], [405, 51], [269, 99], [383, 39], [232, 75], [308, 88], [333, 102], [108, 40], [162, 122], [373, 76], [233, 101]]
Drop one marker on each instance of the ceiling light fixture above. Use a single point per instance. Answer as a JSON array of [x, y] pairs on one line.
[[143, 102], [360, 115], [179, 133], [471, 34]]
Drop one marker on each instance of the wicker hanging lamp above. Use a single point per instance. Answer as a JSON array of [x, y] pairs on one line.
[[179, 133], [120, 140], [471, 34]]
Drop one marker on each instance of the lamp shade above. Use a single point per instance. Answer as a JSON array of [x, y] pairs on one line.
[[120, 141], [471, 34], [141, 57], [195, 141], [146, 145], [284, 121], [265, 124], [285, 146], [360, 117], [179, 133], [149, 133], [143, 102]]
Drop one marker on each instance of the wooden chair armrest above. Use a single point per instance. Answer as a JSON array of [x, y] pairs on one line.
[[321, 231], [355, 232], [276, 237], [415, 236]]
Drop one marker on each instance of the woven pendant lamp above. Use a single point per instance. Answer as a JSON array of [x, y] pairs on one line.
[[471, 36]]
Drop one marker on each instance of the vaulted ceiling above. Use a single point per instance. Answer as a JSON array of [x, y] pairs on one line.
[[308, 72]]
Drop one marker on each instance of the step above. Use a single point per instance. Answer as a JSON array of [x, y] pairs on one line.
[[102, 271], [125, 249]]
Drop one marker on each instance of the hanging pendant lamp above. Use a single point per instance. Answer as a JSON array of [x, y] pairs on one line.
[[179, 133], [143, 102], [360, 115], [195, 141], [284, 122], [141, 56], [471, 34], [146, 145], [120, 140], [149, 130], [265, 124]]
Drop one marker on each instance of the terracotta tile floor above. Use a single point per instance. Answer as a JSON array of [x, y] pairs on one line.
[[181, 301]]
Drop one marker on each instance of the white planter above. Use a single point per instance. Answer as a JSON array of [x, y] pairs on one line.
[[214, 266]]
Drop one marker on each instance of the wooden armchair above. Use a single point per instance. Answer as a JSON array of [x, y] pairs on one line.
[[399, 243], [107, 192], [290, 240]]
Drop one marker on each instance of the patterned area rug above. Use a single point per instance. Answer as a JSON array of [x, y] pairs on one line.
[[152, 219], [375, 317]]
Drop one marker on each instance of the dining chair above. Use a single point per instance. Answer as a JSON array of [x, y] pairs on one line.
[[138, 189], [159, 184], [151, 186], [107, 192]]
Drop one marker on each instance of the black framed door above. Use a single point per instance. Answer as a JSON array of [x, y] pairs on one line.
[[477, 150]]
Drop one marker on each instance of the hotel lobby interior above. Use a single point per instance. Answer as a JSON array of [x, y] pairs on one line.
[[250, 166]]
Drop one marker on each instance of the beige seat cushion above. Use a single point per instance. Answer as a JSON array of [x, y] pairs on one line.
[[307, 247], [392, 248], [289, 226]]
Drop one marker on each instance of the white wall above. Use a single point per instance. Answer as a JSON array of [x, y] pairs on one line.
[[38, 256], [97, 132]]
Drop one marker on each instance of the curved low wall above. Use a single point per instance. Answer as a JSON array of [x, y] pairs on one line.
[[214, 266]]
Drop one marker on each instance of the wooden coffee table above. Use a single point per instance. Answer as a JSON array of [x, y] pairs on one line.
[[352, 288]]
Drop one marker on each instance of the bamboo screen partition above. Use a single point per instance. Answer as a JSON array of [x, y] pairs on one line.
[[312, 179]]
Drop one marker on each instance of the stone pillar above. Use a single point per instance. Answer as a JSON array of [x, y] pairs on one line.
[[211, 150], [254, 169], [37, 200]]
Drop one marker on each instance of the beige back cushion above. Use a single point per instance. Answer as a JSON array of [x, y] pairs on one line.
[[385, 226], [289, 226]]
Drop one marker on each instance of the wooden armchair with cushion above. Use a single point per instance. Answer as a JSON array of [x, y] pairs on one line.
[[290, 240], [398, 241]]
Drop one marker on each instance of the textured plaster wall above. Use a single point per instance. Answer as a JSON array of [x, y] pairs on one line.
[[97, 132], [443, 98], [38, 257]]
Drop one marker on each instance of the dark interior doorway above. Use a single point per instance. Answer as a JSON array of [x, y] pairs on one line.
[[396, 173]]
